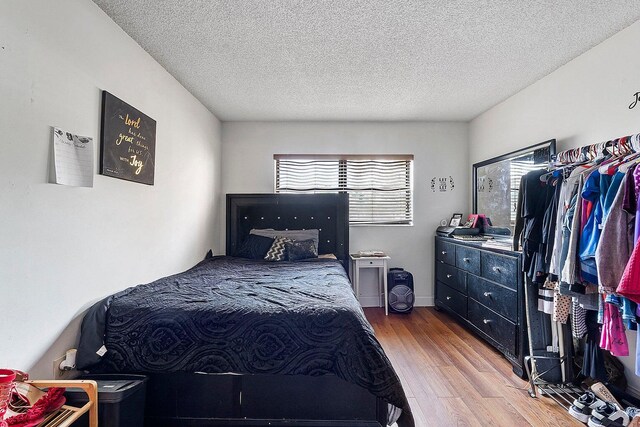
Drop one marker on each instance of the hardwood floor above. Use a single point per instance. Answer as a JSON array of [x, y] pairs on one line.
[[453, 378]]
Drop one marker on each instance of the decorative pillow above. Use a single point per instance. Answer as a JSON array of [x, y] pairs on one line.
[[278, 250], [327, 256], [301, 249], [291, 234], [255, 247]]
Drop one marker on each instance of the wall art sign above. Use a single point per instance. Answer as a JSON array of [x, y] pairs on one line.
[[442, 184], [128, 141], [636, 97]]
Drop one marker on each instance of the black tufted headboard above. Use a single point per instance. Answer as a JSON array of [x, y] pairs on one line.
[[329, 213]]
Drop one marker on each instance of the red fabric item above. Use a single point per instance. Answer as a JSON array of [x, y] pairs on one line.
[[50, 402], [630, 282], [32, 417]]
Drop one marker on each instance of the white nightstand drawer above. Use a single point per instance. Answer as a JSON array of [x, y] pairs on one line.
[[368, 262]]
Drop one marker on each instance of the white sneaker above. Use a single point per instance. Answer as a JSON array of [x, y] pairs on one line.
[[608, 415], [584, 405]]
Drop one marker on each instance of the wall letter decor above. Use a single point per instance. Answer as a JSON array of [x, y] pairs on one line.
[[635, 101], [128, 140]]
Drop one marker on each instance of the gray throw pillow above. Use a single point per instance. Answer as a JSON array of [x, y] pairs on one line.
[[291, 234]]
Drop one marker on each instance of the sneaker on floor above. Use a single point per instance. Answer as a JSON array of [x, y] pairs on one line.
[[604, 394], [633, 412], [584, 405], [608, 415]]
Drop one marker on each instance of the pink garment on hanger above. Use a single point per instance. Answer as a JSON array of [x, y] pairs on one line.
[[630, 283], [613, 337]]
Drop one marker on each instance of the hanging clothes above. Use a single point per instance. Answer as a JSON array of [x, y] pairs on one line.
[[548, 228], [613, 336], [579, 232], [569, 188], [593, 362], [569, 269], [534, 196], [636, 180], [594, 193], [616, 241], [630, 281]]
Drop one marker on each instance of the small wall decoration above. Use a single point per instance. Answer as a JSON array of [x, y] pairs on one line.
[[442, 184], [128, 140], [636, 97], [484, 184]]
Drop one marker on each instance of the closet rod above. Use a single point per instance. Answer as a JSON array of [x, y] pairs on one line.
[[625, 144]]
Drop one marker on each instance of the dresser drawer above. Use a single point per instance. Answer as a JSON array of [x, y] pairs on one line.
[[468, 259], [446, 252], [452, 277], [500, 299], [496, 327], [452, 299], [499, 268]]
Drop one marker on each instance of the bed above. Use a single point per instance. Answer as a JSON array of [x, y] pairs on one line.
[[233, 341]]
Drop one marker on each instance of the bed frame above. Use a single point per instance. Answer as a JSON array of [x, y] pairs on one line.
[[329, 213], [198, 399]]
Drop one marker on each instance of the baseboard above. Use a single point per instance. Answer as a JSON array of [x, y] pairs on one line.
[[425, 302], [635, 392], [369, 301]]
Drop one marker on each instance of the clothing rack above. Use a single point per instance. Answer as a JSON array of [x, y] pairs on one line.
[[619, 146], [563, 393]]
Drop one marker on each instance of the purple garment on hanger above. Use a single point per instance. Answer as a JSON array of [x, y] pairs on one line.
[[638, 346], [629, 203], [636, 176]]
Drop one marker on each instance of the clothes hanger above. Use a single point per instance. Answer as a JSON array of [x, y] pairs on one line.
[[624, 155]]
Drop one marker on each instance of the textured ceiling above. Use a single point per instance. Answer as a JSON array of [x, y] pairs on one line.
[[364, 60]]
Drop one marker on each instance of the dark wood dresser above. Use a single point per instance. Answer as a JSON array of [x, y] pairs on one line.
[[483, 289]]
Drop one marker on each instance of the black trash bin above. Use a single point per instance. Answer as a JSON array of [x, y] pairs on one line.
[[121, 400]]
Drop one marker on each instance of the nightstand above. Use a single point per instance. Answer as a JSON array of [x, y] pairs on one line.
[[379, 262]]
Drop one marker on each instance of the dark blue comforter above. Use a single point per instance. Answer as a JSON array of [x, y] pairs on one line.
[[237, 315]]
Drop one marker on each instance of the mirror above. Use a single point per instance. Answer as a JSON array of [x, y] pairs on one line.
[[496, 181]]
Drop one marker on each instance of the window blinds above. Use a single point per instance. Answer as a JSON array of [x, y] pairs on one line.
[[379, 187]]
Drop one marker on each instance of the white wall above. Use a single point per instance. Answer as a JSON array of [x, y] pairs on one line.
[[62, 248], [584, 102], [440, 150]]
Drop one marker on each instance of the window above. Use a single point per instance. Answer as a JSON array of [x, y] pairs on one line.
[[379, 186], [517, 169]]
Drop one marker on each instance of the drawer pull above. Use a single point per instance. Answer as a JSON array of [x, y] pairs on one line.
[[486, 321], [496, 269], [487, 294], [449, 276], [444, 252], [448, 298], [466, 259]]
